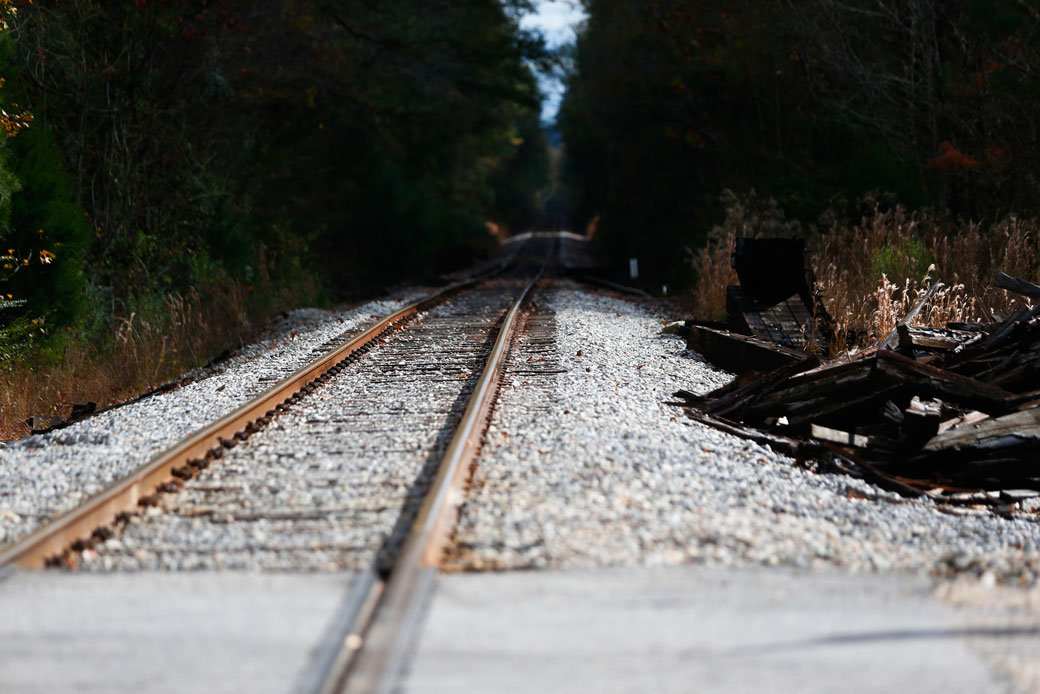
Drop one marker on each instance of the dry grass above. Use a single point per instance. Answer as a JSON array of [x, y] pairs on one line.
[[870, 274], [140, 355], [746, 215]]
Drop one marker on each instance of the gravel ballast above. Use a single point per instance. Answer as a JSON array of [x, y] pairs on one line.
[[46, 474], [584, 464], [337, 477], [595, 469]]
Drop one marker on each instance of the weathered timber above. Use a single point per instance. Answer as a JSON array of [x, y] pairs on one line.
[[776, 299], [921, 419], [969, 327], [1016, 495], [748, 377], [814, 385], [964, 419], [900, 485], [740, 353], [972, 498], [951, 411], [991, 432], [788, 322], [846, 406], [891, 412], [1019, 286], [739, 400], [1027, 400], [1005, 329], [843, 438], [1019, 371], [935, 382], [779, 444], [932, 338]]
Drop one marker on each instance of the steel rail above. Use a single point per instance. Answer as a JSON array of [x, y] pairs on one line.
[[387, 611], [59, 534]]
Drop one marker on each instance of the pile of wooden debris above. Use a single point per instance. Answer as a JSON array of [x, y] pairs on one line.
[[954, 413]]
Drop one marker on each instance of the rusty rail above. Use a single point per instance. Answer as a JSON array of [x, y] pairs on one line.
[[387, 610], [57, 535]]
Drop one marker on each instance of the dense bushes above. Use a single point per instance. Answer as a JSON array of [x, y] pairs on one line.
[[672, 101], [872, 270], [44, 234], [205, 163]]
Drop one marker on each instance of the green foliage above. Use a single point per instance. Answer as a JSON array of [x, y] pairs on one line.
[[42, 234], [16, 335], [261, 152], [905, 257], [44, 220]]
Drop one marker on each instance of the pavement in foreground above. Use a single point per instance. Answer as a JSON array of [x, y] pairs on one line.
[[669, 629]]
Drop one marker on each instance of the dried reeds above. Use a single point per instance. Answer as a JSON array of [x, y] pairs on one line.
[[182, 333], [869, 274]]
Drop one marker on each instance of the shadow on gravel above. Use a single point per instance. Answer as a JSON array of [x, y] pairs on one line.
[[387, 553]]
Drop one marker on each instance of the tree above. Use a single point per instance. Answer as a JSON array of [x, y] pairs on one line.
[[673, 101]]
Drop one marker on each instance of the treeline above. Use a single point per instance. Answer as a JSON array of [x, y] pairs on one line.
[[811, 102], [237, 158]]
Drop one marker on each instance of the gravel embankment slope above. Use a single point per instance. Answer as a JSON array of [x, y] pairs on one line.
[[46, 474], [327, 483], [598, 471]]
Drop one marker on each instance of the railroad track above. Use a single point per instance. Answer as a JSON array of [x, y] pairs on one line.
[[452, 344]]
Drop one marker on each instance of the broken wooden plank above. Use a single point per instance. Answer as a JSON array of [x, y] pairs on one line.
[[843, 438], [779, 444], [921, 419], [935, 382], [1017, 425], [1015, 496], [815, 388], [830, 408], [788, 322], [740, 353], [1019, 371], [965, 419], [1005, 328], [891, 413], [739, 400], [900, 485], [742, 380], [932, 338], [1019, 286]]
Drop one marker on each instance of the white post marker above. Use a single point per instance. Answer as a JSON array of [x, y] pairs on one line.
[[633, 268]]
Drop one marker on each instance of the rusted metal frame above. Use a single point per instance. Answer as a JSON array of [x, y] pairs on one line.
[[378, 644], [54, 537]]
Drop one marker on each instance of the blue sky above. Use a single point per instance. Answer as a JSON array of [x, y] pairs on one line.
[[556, 19]]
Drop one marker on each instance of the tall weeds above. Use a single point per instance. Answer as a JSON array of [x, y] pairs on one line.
[[871, 273], [142, 351]]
